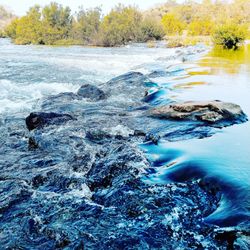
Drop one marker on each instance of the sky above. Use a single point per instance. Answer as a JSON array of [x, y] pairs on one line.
[[20, 7]]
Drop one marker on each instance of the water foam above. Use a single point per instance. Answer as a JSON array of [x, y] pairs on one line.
[[16, 97]]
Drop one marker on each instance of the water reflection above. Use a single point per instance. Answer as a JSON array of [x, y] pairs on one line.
[[228, 61]]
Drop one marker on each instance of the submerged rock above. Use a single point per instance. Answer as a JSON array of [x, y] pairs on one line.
[[40, 119], [91, 92], [214, 112]]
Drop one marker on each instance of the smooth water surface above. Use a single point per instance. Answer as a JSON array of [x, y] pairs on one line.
[[224, 157]]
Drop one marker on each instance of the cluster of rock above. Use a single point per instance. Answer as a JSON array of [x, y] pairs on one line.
[[81, 185]]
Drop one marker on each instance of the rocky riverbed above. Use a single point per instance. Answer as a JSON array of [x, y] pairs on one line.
[[75, 170]]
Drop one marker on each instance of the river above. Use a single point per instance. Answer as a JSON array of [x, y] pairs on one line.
[[30, 75]]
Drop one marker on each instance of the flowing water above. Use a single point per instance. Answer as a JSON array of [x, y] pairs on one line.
[[56, 173]]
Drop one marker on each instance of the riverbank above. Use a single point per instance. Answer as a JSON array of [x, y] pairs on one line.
[[89, 171]]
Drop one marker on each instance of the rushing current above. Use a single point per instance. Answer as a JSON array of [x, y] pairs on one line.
[[71, 186]]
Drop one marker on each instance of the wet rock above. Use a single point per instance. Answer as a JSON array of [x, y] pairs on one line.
[[32, 144], [158, 73], [91, 92], [41, 119], [212, 112], [128, 89], [117, 163], [228, 236], [61, 98], [129, 78], [154, 138], [97, 136]]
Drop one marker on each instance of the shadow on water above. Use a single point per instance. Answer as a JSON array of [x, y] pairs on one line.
[[222, 159]]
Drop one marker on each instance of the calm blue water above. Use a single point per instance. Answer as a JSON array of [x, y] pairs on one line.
[[224, 157], [30, 73]]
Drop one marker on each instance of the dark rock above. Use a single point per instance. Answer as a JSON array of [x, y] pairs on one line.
[[154, 138], [119, 163], [32, 144], [158, 73], [97, 136], [91, 92], [228, 236], [212, 112], [41, 119], [139, 133], [129, 78]]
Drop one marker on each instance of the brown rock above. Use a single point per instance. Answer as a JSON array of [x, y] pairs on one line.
[[207, 111]]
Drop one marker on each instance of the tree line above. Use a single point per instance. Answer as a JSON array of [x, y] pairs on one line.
[[56, 25]]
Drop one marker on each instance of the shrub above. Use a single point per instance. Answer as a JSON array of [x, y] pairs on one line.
[[10, 30], [230, 35], [2, 34], [87, 25], [200, 28], [172, 25], [41, 26], [120, 26], [151, 29]]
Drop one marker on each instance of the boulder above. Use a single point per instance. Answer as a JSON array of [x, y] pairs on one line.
[[91, 92], [128, 88], [214, 112], [129, 78], [41, 119]]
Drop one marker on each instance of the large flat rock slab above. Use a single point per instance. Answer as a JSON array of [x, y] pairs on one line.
[[213, 112]]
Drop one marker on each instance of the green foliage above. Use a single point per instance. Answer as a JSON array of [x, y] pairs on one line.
[[10, 30], [151, 29], [2, 34], [54, 24], [41, 26], [230, 35], [121, 26], [29, 28], [201, 28], [87, 25], [172, 25]]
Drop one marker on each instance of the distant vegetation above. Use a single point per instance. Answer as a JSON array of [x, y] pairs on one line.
[[55, 24]]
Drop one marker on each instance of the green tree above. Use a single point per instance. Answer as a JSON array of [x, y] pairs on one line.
[[172, 25], [10, 30], [121, 26], [201, 27], [230, 35], [151, 29], [57, 23], [87, 25], [29, 27]]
